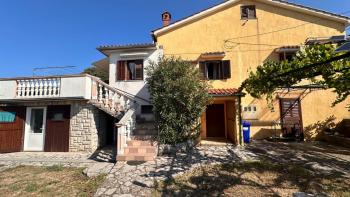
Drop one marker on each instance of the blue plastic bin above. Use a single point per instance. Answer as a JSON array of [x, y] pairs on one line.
[[246, 131]]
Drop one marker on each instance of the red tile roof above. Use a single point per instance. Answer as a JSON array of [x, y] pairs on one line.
[[226, 91]]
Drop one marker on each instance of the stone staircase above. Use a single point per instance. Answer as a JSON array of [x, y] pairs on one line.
[[142, 146], [136, 139]]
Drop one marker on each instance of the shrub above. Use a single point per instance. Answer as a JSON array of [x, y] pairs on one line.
[[179, 97]]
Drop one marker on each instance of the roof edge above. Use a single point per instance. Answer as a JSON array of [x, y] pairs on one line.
[[280, 3]]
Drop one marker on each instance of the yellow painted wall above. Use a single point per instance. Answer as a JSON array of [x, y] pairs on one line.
[[209, 33]]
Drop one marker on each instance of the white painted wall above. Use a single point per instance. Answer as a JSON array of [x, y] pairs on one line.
[[134, 87], [8, 89], [76, 87]]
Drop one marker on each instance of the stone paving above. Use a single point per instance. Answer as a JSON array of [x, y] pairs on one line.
[[70, 159], [138, 178]]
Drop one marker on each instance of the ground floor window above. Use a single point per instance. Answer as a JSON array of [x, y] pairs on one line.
[[146, 109]]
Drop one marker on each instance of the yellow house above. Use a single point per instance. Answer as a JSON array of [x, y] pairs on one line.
[[231, 39]]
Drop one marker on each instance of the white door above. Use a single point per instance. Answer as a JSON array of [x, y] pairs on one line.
[[35, 129]]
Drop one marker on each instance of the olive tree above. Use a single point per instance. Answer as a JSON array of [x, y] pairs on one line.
[[179, 97]]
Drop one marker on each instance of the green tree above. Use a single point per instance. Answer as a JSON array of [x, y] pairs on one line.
[[317, 63], [98, 72], [179, 97]]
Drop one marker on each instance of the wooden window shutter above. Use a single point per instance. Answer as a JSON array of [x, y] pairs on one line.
[[121, 70], [202, 70], [251, 12], [226, 69], [139, 69], [244, 12]]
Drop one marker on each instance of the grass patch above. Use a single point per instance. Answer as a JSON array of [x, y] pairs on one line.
[[31, 187], [55, 168], [48, 181], [252, 179]]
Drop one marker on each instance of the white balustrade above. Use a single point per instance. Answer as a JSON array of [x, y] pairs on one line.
[[106, 96], [37, 88], [125, 126], [100, 93], [111, 98]]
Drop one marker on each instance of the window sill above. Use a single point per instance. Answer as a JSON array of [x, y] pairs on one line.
[[216, 80], [139, 80], [245, 19]]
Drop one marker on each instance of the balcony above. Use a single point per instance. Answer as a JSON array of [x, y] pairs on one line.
[[55, 87]]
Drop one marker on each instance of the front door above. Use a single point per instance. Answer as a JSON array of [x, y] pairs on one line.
[[35, 129], [291, 121], [215, 116], [57, 128]]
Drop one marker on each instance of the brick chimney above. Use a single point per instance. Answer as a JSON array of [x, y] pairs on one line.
[[166, 18]]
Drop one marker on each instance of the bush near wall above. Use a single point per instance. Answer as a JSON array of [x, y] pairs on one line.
[[179, 97]]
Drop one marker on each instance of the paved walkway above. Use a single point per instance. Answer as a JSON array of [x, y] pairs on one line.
[[138, 178]]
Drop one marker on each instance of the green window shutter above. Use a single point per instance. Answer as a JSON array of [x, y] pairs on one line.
[[226, 69]]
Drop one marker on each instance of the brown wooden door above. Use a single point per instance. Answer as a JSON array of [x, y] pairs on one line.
[[11, 133], [215, 116], [57, 128], [291, 117]]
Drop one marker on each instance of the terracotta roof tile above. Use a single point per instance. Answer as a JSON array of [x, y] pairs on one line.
[[223, 91], [126, 46]]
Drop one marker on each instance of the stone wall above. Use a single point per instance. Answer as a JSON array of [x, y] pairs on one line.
[[87, 127]]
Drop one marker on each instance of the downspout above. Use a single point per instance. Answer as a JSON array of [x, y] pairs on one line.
[[239, 95]]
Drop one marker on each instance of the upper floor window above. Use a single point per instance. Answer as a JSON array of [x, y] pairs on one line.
[[287, 56], [248, 12], [214, 70], [130, 70]]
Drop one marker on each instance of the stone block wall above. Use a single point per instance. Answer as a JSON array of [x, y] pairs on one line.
[[87, 127]]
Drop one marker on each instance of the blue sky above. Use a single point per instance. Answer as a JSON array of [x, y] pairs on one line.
[[40, 33]]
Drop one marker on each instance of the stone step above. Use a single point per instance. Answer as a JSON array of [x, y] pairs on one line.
[[135, 158], [140, 150], [144, 137], [133, 143], [144, 132], [145, 125]]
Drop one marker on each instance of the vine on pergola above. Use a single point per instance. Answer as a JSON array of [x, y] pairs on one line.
[[317, 63]]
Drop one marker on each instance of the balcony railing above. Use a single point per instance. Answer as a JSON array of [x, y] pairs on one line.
[[38, 88]]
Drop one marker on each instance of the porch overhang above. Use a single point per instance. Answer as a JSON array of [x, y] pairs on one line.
[[224, 92]]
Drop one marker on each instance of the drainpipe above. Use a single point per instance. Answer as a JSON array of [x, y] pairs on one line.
[[239, 95]]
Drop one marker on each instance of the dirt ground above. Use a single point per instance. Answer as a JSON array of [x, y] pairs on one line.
[[47, 181], [280, 169]]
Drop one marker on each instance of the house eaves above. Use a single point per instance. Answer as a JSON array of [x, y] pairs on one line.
[[228, 3], [143, 46]]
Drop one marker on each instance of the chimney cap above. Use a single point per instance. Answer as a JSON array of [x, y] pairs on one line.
[[166, 18], [166, 15]]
